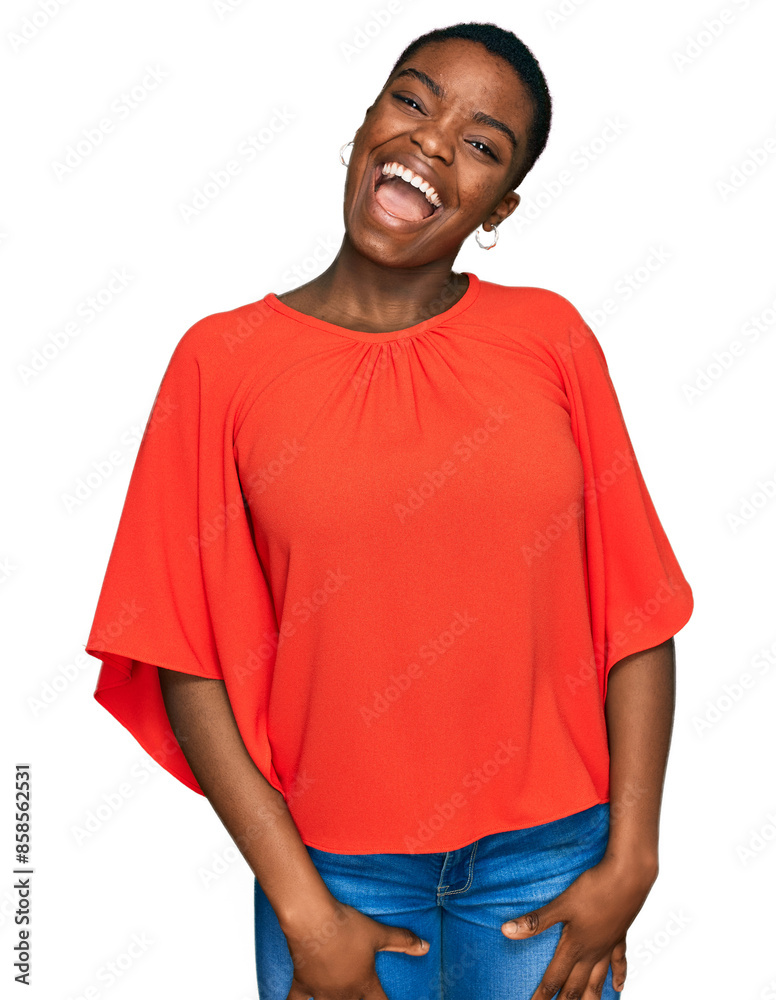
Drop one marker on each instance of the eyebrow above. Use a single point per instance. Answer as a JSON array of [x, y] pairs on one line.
[[477, 116]]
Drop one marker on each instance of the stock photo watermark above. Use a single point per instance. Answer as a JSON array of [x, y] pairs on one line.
[[705, 36], [758, 840], [626, 286], [364, 34], [102, 469], [256, 482], [727, 356], [222, 862], [223, 8], [220, 178], [750, 506], [734, 692], [652, 947], [632, 623], [323, 252], [115, 970], [755, 158], [55, 685], [7, 569], [112, 802], [580, 161], [473, 781], [90, 308], [31, 25], [568, 518], [557, 16], [400, 682], [464, 448], [93, 136], [298, 614]]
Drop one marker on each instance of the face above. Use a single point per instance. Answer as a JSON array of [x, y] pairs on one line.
[[450, 123]]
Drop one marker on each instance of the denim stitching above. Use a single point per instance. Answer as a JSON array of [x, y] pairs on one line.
[[441, 890]]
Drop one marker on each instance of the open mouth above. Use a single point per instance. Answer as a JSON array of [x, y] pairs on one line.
[[401, 199]]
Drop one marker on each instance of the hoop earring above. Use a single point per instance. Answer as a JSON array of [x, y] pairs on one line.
[[341, 149], [489, 246]]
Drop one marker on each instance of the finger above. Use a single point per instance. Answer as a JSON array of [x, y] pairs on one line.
[[555, 976], [619, 966], [532, 923], [596, 980], [577, 982], [402, 939]]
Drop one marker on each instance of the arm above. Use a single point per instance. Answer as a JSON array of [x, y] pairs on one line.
[[254, 812], [640, 702], [332, 945], [600, 905]]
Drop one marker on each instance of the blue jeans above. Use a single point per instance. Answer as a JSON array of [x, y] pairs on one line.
[[457, 901]]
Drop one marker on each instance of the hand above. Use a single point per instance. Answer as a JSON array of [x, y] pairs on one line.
[[334, 954], [596, 911]]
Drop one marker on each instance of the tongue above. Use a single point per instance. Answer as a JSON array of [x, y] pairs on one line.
[[403, 200]]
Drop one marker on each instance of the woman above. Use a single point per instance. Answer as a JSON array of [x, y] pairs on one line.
[[385, 540]]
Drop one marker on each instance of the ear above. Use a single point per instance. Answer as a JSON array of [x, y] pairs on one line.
[[505, 208], [511, 200]]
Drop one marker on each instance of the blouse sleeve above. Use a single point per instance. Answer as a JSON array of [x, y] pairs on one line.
[[637, 593], [184, 587]]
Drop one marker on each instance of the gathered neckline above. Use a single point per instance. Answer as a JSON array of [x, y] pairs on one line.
[[365, 336]]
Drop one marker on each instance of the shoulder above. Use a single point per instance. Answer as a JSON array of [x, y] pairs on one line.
[[531, 303], [547, 318], [225, 347]]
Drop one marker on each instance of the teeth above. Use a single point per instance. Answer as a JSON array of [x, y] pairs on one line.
[[399, 170]]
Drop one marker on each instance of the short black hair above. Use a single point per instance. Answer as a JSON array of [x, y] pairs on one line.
[[507, 45]]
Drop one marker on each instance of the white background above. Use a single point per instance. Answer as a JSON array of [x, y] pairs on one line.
[[688, 126]]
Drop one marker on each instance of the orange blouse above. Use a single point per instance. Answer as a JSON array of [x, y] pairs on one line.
[[412, 557]]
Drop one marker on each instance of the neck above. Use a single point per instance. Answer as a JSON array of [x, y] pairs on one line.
[[368, 295]]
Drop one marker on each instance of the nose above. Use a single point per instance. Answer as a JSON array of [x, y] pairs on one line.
[[433, 142]]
